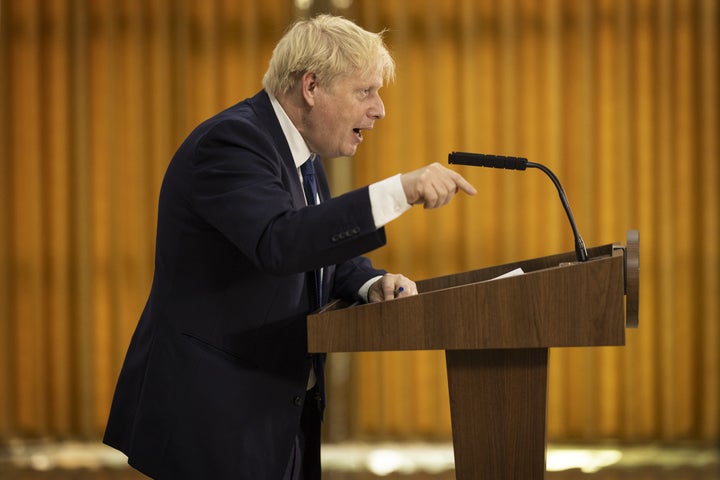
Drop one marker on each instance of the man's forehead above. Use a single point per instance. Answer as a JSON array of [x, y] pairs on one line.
[[365, 78]]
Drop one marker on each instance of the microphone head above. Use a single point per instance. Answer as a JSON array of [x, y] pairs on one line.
[[485, 160]]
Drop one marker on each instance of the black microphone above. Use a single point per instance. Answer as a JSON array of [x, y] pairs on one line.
[[485, 160], [519, 163]]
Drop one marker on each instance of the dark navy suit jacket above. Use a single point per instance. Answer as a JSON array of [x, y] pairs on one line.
[[214, 379]]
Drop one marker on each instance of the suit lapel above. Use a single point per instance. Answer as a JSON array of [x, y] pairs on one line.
[[264, 110], [262, 106]]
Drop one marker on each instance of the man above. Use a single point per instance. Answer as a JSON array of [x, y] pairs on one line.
[[217, 382]]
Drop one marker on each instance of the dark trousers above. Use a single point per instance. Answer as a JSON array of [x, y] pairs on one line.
[[304, 462]]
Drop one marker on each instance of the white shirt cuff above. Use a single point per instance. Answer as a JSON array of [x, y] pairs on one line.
[[363, 292], [388, 201]]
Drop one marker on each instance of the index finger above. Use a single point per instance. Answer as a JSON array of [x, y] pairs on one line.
[[464, 185]]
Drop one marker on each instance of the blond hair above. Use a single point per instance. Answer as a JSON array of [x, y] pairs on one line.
[[328, 46]]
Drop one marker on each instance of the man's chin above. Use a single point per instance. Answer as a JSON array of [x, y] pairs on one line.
[[350, 151]]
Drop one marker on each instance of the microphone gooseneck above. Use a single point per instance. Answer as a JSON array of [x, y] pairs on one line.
[[519, 163], [580, 250]]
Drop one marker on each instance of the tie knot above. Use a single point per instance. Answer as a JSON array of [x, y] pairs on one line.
[[308, 168]]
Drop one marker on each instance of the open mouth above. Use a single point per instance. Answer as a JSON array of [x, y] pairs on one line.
[[358, 133]]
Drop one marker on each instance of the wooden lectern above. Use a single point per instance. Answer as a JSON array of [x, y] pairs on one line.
[[496, 334]]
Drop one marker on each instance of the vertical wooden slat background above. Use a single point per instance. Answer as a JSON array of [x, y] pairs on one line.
[[619, 98]]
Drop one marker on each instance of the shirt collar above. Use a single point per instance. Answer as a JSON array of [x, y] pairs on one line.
[[296, 142]]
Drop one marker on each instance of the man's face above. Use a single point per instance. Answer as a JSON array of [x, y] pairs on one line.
[[340, 112]]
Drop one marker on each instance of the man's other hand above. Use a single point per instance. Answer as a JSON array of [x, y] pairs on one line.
[[389, 286]]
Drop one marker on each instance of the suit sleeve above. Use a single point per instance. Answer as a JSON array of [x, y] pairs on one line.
[[242, 188]]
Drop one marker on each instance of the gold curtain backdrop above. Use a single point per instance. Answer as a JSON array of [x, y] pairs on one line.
[[96, 97], [619, 98]]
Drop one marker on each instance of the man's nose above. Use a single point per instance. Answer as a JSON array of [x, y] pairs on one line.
[[378, 110]]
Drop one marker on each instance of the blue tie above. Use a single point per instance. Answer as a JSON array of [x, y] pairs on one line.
[[311, 195]]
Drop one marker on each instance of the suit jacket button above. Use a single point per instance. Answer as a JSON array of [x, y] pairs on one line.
[[297, 401]]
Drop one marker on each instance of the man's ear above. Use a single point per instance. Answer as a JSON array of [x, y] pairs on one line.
[[309, 87]]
